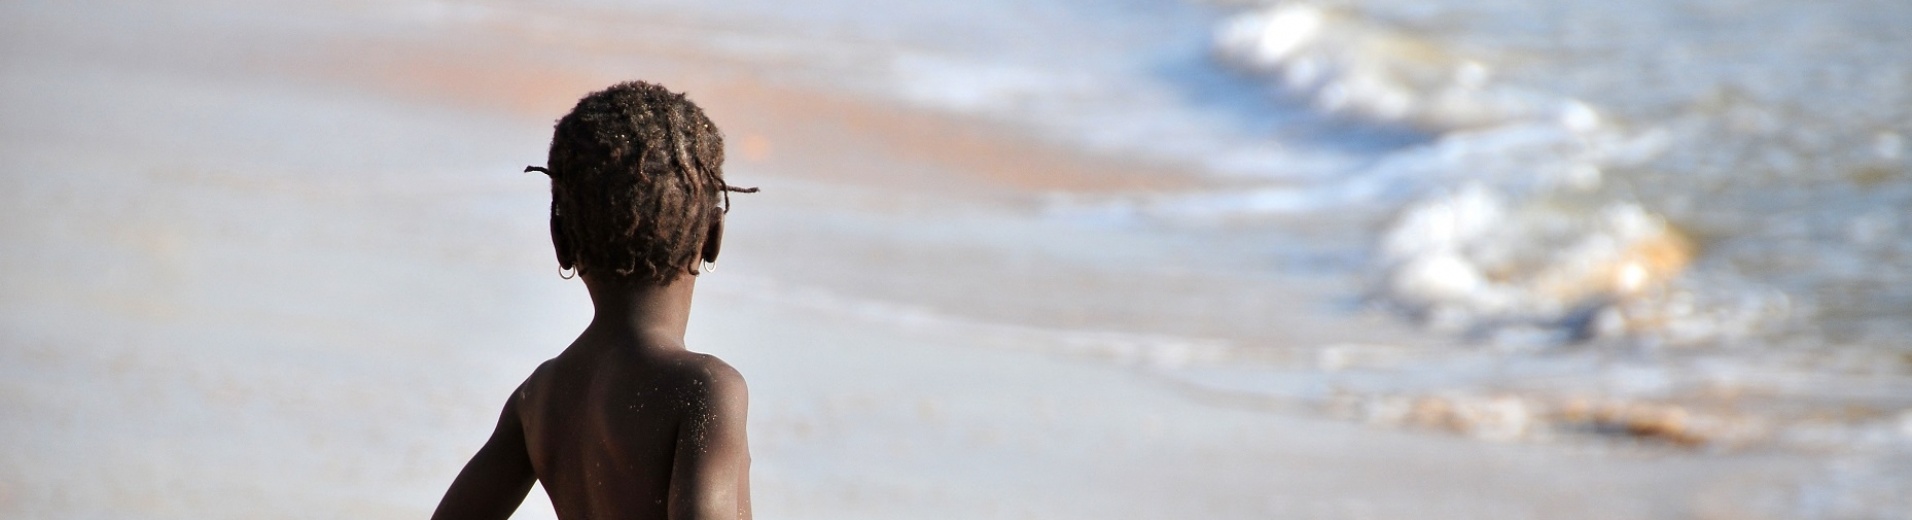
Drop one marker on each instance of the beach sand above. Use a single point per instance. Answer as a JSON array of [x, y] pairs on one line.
[[278, 261]]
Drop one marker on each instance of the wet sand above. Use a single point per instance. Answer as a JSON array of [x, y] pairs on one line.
[[279, 262]]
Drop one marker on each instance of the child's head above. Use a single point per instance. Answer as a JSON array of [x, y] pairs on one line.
[[636, 185]]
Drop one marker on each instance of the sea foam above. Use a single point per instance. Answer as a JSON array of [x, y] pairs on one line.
[[1503, 224]]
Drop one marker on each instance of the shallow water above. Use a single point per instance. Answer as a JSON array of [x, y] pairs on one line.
[[1766, 142], [1715, 186], [1724, 179]]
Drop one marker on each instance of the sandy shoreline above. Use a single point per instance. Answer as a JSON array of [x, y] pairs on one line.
[[295, 278]]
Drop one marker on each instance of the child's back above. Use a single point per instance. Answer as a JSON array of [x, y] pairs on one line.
[[618, 414], [625, 423]]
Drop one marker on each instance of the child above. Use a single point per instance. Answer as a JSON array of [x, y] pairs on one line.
[[625, 423]]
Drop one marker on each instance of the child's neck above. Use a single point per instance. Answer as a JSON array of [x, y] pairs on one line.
[[653, 316]]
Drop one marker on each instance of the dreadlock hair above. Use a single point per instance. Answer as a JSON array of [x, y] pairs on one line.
[[636, 180]]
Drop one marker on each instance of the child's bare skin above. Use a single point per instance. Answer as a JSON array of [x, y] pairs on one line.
[[625, 423]]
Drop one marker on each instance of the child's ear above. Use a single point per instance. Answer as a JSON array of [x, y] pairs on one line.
[[714, 238], [557, 240]]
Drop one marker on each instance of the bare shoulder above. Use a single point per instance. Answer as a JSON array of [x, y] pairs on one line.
[[719, 384], [539, 377], [712, 372]]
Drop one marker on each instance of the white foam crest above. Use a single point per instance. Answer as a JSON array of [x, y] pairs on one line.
[[1474, 257], [1345, 64], [1550, 267], [1516, 240]]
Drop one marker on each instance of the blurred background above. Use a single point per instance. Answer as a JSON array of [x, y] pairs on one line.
[[1012, 259]]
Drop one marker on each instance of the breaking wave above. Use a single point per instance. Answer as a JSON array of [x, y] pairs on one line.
[[1503, 226]]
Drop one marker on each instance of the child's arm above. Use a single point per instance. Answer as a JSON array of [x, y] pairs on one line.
[[497, 478], [710, 477]]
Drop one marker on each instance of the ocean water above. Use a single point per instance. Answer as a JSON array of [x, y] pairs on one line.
[[1685, 173], [1725, 175], [1717, 188], [1680, 221], [1765, 140]]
